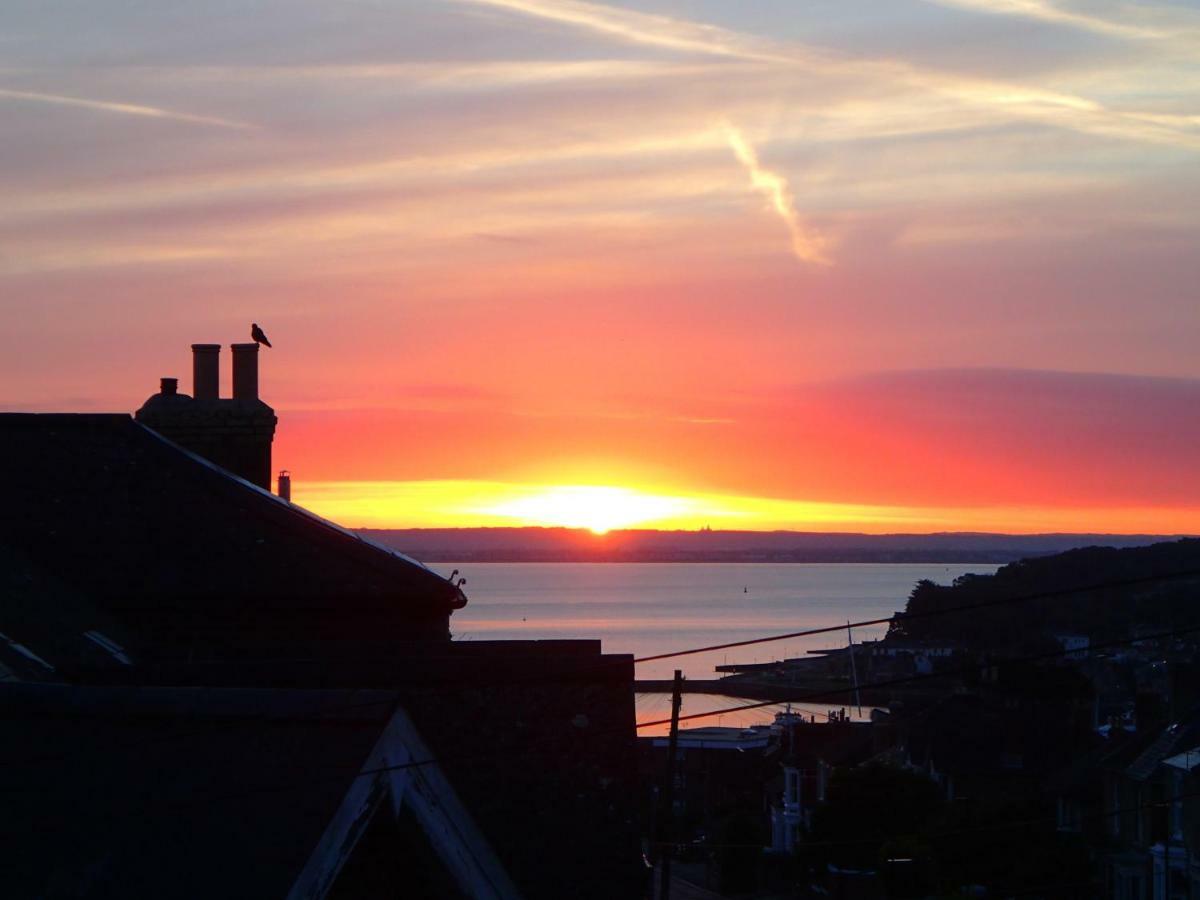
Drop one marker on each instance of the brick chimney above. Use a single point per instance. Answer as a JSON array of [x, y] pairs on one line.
[[206, 371], [237, 433], [245, 371]]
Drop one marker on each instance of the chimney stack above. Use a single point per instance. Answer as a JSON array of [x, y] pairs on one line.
[[235, 434], [206, 371], [245, 371]]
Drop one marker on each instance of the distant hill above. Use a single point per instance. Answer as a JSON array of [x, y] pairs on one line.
[[1101, 592], [580, 545]]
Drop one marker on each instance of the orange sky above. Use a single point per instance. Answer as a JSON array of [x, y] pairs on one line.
[[927, 265], [947, 450]]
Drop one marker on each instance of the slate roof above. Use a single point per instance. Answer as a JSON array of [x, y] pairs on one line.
[[537, 742], [200, 578], [1176, 738], [182, 792], [140, 533]]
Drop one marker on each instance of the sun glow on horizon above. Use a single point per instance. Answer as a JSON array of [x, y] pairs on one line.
[[604, 508], [596, 508]]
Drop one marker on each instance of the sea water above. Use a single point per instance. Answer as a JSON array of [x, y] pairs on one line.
[[652, 608]]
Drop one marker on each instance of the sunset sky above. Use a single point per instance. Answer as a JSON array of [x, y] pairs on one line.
[[870, 265]]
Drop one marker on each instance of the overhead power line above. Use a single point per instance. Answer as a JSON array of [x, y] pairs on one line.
[[1009, 661], [816, 696], [346, 776], [908, 617]]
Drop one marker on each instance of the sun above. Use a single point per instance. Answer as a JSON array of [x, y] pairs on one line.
[[599, 509]]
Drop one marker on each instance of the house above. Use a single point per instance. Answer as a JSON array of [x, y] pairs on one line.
[[187, 561], [200, 792], [1152, 815], [192, 666], [811, 750], [719, 770]]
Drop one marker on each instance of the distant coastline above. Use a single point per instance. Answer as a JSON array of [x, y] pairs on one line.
[[634, 545]]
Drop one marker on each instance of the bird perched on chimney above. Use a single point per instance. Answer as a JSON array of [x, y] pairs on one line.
[[257, 334]]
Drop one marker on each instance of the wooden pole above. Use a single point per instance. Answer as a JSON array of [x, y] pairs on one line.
[[667, 834], [853, 668]]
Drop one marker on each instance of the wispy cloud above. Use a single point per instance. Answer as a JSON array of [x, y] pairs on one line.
[[1046, 11], [1059, 108], [807, 244], [485, 75], [127, 109], [101, 255], [643, 28]]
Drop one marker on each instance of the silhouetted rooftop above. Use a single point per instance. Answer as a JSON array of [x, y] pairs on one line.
[[184, 792], [127, 529]]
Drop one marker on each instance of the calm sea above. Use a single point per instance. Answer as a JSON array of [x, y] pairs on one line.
[[650, 608]]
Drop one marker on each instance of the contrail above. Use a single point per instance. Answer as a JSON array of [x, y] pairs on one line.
[[807, 244], [129, 109], [1050, 12], [1060, 109], [640, 28]]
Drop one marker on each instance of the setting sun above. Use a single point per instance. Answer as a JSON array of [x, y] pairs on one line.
[[599, 509]]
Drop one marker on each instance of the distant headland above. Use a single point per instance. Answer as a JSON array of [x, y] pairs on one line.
[[640, 545]]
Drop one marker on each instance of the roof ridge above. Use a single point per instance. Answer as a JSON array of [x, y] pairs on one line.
[[287, 504]]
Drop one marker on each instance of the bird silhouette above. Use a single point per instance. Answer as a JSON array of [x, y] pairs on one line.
[[257, 334]]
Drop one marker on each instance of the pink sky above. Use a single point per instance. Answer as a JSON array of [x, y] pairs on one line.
[[936, 260]]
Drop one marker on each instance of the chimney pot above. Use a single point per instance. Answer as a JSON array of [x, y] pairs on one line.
[[169, 386], [285, 485], [245, 371], [206, 371]]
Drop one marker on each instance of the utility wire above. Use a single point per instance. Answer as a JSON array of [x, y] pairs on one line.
[[811, 696], [824, 693], [908, 617], [999, 663], [815, 696], [809, 632], [348, 777]]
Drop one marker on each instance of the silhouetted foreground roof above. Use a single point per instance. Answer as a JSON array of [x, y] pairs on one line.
[[126, 560], [103, 509], [179, 792], [201, 792], [545, 760]]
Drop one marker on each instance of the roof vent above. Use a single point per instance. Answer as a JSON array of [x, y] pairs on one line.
[[116, 651], [24, 651]]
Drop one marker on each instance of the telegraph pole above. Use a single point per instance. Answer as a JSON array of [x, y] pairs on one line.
[[853, 668], [667, 834]]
